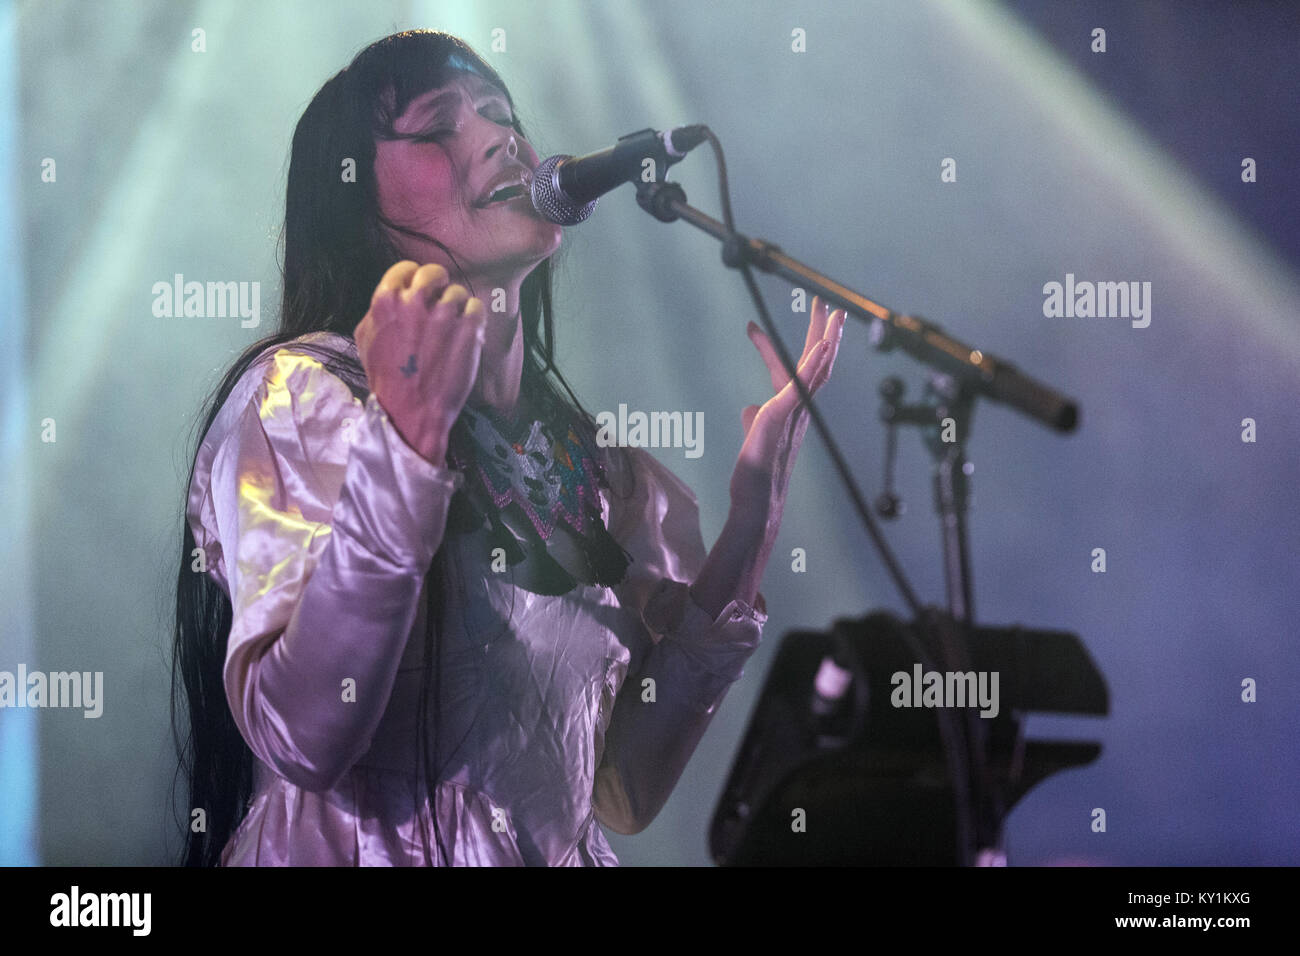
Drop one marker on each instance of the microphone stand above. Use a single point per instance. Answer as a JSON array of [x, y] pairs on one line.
[[962, 374]]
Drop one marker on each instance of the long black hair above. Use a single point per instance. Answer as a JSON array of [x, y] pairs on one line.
[[335, 250]]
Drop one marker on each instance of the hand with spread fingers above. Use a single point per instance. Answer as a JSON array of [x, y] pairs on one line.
[[773, 433]]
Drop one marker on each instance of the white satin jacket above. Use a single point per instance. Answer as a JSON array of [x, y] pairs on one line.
[[556, 713]]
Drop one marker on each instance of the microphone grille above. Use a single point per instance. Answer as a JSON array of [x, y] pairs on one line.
[[549, 199]]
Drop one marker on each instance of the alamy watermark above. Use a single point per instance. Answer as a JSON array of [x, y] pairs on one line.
[[652, 430], [76, 908], [1102, 300], [179, 299], [56, 689], [946, 689]]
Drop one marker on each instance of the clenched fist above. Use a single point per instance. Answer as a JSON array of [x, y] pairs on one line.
[[420, 345]]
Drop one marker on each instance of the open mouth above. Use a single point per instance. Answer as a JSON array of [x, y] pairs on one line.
[[506, 194], [509, 188]]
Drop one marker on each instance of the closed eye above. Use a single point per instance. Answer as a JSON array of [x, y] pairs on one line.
[[432, 136], [505, 119]]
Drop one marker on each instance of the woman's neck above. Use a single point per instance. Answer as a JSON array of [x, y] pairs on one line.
[[500, 370]]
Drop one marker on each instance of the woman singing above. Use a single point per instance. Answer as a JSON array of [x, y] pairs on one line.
[[423, 617]]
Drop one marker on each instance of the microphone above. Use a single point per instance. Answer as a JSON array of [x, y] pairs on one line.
[[565, 188]]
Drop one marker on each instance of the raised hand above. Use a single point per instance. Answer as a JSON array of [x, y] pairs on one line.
[[420, 345], [774, 431]]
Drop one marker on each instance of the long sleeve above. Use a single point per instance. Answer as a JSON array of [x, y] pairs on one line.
[[691, 658], [321, 522]]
